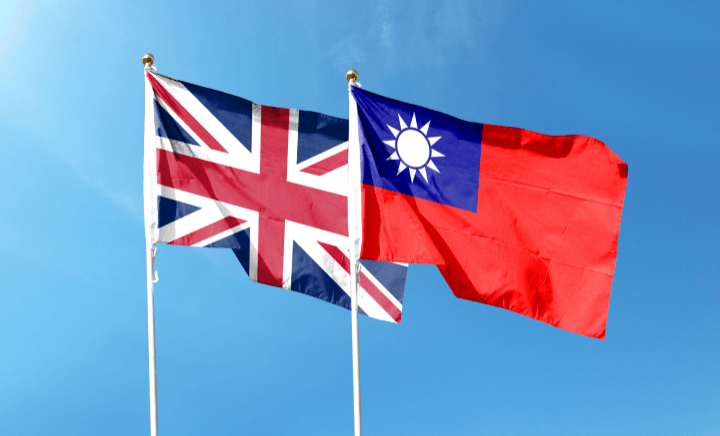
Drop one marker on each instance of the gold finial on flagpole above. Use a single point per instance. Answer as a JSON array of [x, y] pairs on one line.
[[148, 60], [352, 76]]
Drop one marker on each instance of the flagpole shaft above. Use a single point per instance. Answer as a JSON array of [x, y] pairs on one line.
[[151, 232], [355, 235], [151, 344], [356, 355]]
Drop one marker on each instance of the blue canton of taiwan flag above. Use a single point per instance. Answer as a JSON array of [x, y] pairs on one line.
[[268, 183], [419, 152]]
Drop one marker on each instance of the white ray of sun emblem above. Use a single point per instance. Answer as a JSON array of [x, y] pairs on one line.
[[413, 148]]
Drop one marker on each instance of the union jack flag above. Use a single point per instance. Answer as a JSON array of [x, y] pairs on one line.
[[268, 183]]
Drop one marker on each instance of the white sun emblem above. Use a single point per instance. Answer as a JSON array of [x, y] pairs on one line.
[[413, 148]]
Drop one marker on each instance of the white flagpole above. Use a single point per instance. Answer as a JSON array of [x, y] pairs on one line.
[[151, 345], [151, 233], [355, 234]]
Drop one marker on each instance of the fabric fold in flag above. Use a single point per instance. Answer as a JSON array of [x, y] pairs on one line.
[[268, 183], [512, 218]]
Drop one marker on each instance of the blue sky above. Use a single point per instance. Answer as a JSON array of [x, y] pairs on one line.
[[235, 357]]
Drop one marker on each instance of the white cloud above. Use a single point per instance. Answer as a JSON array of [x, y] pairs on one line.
[[130, 204], [348, 52]]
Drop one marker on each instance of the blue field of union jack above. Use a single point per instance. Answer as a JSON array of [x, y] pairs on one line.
[[268, 183]]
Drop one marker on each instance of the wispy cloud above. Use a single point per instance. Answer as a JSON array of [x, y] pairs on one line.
[[387, 29], [348, 52], [430, 30], [129, 203]]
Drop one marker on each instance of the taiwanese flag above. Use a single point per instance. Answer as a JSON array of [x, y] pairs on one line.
[[512, 218]]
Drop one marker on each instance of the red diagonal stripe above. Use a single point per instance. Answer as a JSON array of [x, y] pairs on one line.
[[381, 299], [338, 255], [326, 165], [184, 115], [365, 282], [208, 231]]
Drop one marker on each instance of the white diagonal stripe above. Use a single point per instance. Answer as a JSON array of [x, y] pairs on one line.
[[240, 156]]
